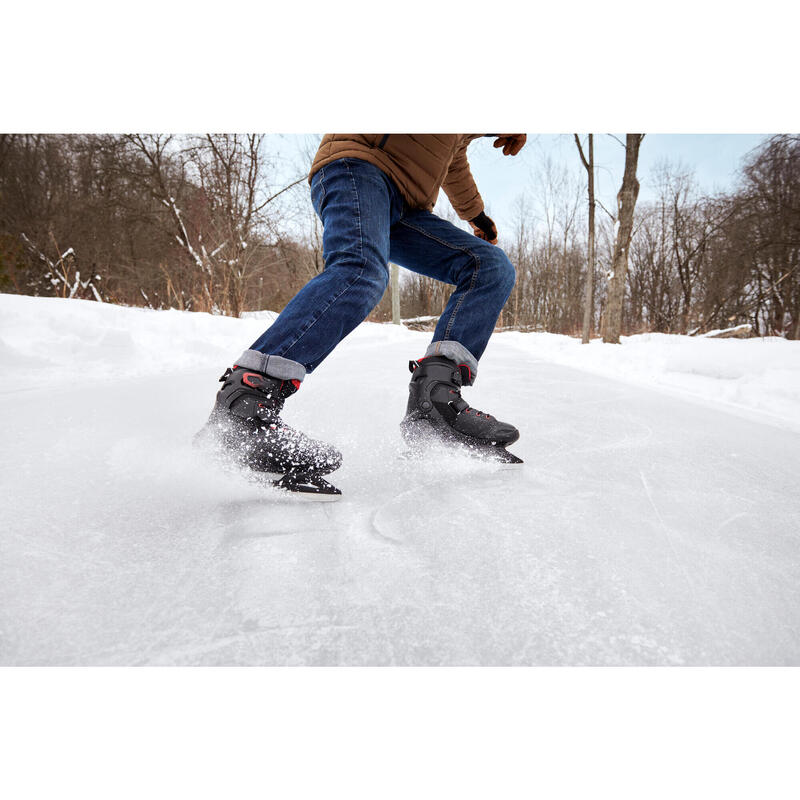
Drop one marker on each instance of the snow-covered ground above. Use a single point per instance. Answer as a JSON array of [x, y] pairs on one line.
[[656, 519], [760, 375]]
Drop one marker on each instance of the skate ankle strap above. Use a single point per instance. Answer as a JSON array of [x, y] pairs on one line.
[[459, 404], [441, 368]]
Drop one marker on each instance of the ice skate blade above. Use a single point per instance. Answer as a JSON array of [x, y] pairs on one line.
[[421, 435], [308, 497], [508, 465], [489, 454], [281, 495], [498, 456], [501, 455], [307, 487]]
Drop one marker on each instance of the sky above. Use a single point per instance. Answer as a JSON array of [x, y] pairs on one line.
[[502, 180], [714, 159]]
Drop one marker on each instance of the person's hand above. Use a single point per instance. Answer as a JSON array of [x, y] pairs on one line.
[[511, 143], [484, 228]]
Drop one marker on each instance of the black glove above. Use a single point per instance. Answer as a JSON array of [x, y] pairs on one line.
[[484, 228]]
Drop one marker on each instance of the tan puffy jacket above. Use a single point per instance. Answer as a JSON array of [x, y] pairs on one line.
[[419, 163]]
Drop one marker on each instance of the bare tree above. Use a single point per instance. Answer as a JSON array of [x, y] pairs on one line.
[[214, 226], [771, 203], [654, 300], [521, 255], [395, 284], [588, 296], [626, 203]]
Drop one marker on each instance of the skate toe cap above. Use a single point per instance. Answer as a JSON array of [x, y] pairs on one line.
[[506, 433]]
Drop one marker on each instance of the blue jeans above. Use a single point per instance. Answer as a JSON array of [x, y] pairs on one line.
[[367, 223]]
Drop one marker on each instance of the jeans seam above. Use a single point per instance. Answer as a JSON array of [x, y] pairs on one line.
[[474, 256], [358, 216]]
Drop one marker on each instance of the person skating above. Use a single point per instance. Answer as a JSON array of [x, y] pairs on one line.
[[374, 194]]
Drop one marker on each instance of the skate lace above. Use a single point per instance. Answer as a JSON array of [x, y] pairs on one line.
[[461, 406]]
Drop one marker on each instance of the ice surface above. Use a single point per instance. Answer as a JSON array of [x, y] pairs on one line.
[[644, 528]]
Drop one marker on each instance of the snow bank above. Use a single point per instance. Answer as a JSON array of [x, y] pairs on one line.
[[79, 339], [761, 375]]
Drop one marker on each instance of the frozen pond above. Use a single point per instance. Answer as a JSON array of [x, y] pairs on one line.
[[643, 528]]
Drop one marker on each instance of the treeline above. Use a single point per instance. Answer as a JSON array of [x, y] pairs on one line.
[[194, 222], [183, 222], [698, 262]]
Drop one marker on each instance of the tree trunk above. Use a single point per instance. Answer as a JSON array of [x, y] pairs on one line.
[[588, 296], [626, 202], [395, 273]]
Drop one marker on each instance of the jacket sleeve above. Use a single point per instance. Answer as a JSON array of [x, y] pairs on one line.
[[460, 188]]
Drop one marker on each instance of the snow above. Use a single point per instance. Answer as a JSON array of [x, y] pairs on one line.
[[427, 318], [717, 332], [656, 519], [757, 378]]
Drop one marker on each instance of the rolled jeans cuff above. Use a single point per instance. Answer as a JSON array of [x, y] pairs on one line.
[[456, 352], [274, 366]]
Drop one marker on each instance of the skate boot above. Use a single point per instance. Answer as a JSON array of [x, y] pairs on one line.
[[246, 428], [437, 412]]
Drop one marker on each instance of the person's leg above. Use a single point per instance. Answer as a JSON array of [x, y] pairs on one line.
[[357, 204], [481, 272], [483, 278]]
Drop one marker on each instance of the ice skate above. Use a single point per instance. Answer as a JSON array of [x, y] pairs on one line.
[[246, 429], [437, 413]]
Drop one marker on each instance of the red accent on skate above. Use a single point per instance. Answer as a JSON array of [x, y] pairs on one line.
[[296, 384], [469, 371], [246, 380]]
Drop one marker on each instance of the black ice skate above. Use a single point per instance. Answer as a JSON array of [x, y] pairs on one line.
[[437, 413], [246, 428]]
